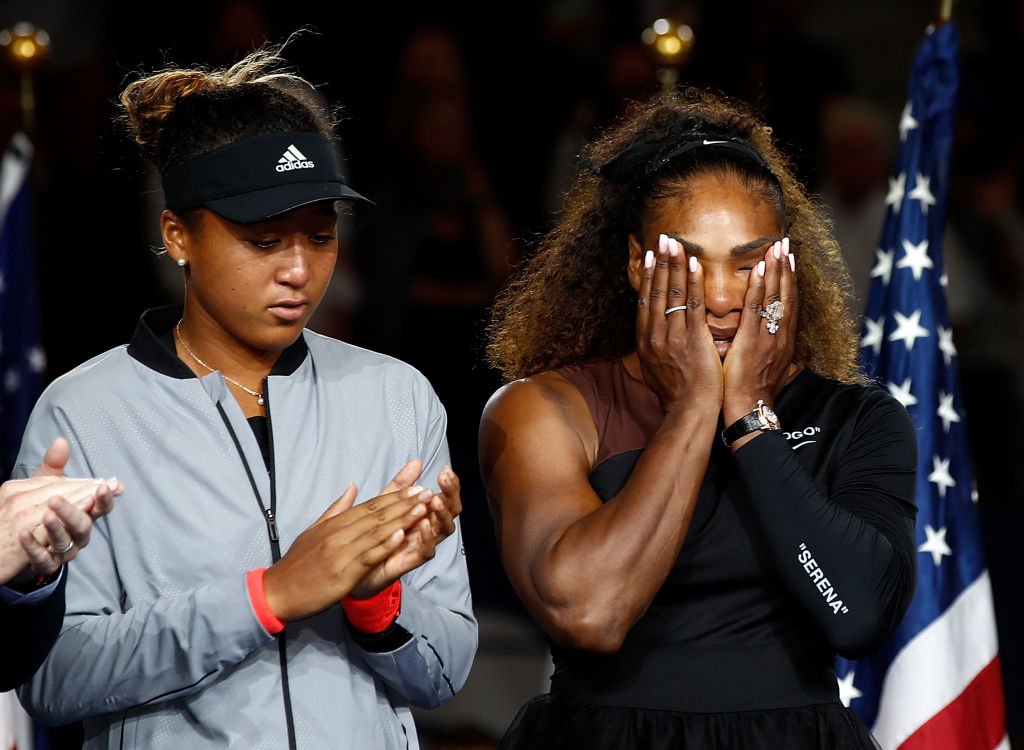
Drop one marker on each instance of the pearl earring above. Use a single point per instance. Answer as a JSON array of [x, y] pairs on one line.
[[182, 262]]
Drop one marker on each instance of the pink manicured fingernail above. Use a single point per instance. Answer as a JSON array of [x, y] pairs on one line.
[[777, 249], [760, 268], [649, 259], [693, 262], [792, 262], [673, 247], [785, 245], [662, 244]]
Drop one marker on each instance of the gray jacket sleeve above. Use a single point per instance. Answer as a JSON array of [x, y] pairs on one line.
[[121, 654], [437, 610]]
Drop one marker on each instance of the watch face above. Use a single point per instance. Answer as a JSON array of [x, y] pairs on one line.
[[767, 417]]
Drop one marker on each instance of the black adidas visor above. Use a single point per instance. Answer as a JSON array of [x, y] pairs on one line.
[[260, 177]]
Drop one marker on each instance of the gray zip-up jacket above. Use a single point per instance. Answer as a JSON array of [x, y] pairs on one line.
[[160, 646]]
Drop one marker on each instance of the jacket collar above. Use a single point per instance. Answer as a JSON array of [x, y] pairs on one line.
[[152, 344]]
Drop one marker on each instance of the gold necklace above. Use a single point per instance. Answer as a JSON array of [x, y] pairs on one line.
[[250, 391]]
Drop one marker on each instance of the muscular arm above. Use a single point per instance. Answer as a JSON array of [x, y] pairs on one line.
[[586, 570]]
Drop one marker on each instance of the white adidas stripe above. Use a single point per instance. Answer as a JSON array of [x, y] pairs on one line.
[[938, 664], [296, 153]]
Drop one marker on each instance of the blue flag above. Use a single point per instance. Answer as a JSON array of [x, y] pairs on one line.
[[22, 363], [937, 684]]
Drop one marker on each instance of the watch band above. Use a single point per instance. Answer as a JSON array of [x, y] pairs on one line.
[[745, 425], [761, 418]]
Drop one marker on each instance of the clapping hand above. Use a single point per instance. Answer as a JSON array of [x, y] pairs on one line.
[[47, 519]]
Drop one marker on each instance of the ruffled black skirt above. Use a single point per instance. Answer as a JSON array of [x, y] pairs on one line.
[[551, 723]]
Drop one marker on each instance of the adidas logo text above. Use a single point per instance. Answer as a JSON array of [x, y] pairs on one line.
[[293, 159]]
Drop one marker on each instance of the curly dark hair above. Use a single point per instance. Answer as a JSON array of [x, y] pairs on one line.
[[571, 300]]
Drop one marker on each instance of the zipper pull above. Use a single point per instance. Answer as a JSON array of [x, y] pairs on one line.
[[272, 525]]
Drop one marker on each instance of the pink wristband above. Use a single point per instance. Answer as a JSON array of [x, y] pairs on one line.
[[374, 615], [258, 597]]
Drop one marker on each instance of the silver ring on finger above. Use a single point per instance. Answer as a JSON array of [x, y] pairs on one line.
[[67, 548], [772, 315], [671, 310]]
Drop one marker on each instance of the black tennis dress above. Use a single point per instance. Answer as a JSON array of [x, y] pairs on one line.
[[801, 547]]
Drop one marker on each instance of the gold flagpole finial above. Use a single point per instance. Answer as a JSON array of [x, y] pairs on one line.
[[672, 44], [26, 48]]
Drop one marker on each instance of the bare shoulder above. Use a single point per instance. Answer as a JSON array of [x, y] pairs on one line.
[[543, 415], [538, 397]]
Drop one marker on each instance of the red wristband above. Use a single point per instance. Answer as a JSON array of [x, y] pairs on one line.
[[374, 615], [258, 598]]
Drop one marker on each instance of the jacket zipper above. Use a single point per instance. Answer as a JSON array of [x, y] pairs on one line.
[[276, 547], [270, 517]]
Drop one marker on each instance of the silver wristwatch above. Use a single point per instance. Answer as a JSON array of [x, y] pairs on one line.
[[761, 418]]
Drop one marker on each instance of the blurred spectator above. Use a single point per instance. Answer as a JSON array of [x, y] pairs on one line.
[[436, 250], [629, 73], [860, 144], [988, 318], [762, 51], [859, 148]]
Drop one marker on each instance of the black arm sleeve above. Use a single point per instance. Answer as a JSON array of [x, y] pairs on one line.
[[843, 541], [27, 632]]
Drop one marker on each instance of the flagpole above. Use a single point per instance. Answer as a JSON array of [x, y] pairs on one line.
[[27, 47]]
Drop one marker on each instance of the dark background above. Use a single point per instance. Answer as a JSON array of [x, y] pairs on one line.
[[537, 75]]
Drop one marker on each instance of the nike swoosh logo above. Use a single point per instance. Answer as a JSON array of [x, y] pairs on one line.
[[712, 143], [801, 445]]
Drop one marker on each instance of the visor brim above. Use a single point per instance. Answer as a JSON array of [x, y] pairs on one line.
[[266, 203]]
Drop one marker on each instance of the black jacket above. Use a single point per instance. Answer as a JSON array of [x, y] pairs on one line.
[[27, 632]]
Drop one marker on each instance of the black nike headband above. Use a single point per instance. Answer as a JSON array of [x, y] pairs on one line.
[[644, 160]]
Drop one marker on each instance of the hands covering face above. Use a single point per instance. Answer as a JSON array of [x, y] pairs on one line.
[[757, 365], [679, 341]]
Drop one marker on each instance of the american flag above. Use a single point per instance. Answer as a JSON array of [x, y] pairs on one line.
[[22, 364], [937, 684]]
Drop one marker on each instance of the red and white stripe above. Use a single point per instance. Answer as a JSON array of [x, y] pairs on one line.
[[944, 690], [15, 724]]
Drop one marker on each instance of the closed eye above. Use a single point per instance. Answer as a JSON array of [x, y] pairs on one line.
[[751, 259]]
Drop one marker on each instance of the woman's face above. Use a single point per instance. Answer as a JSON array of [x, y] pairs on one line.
[[728, 228], [258, 283]]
